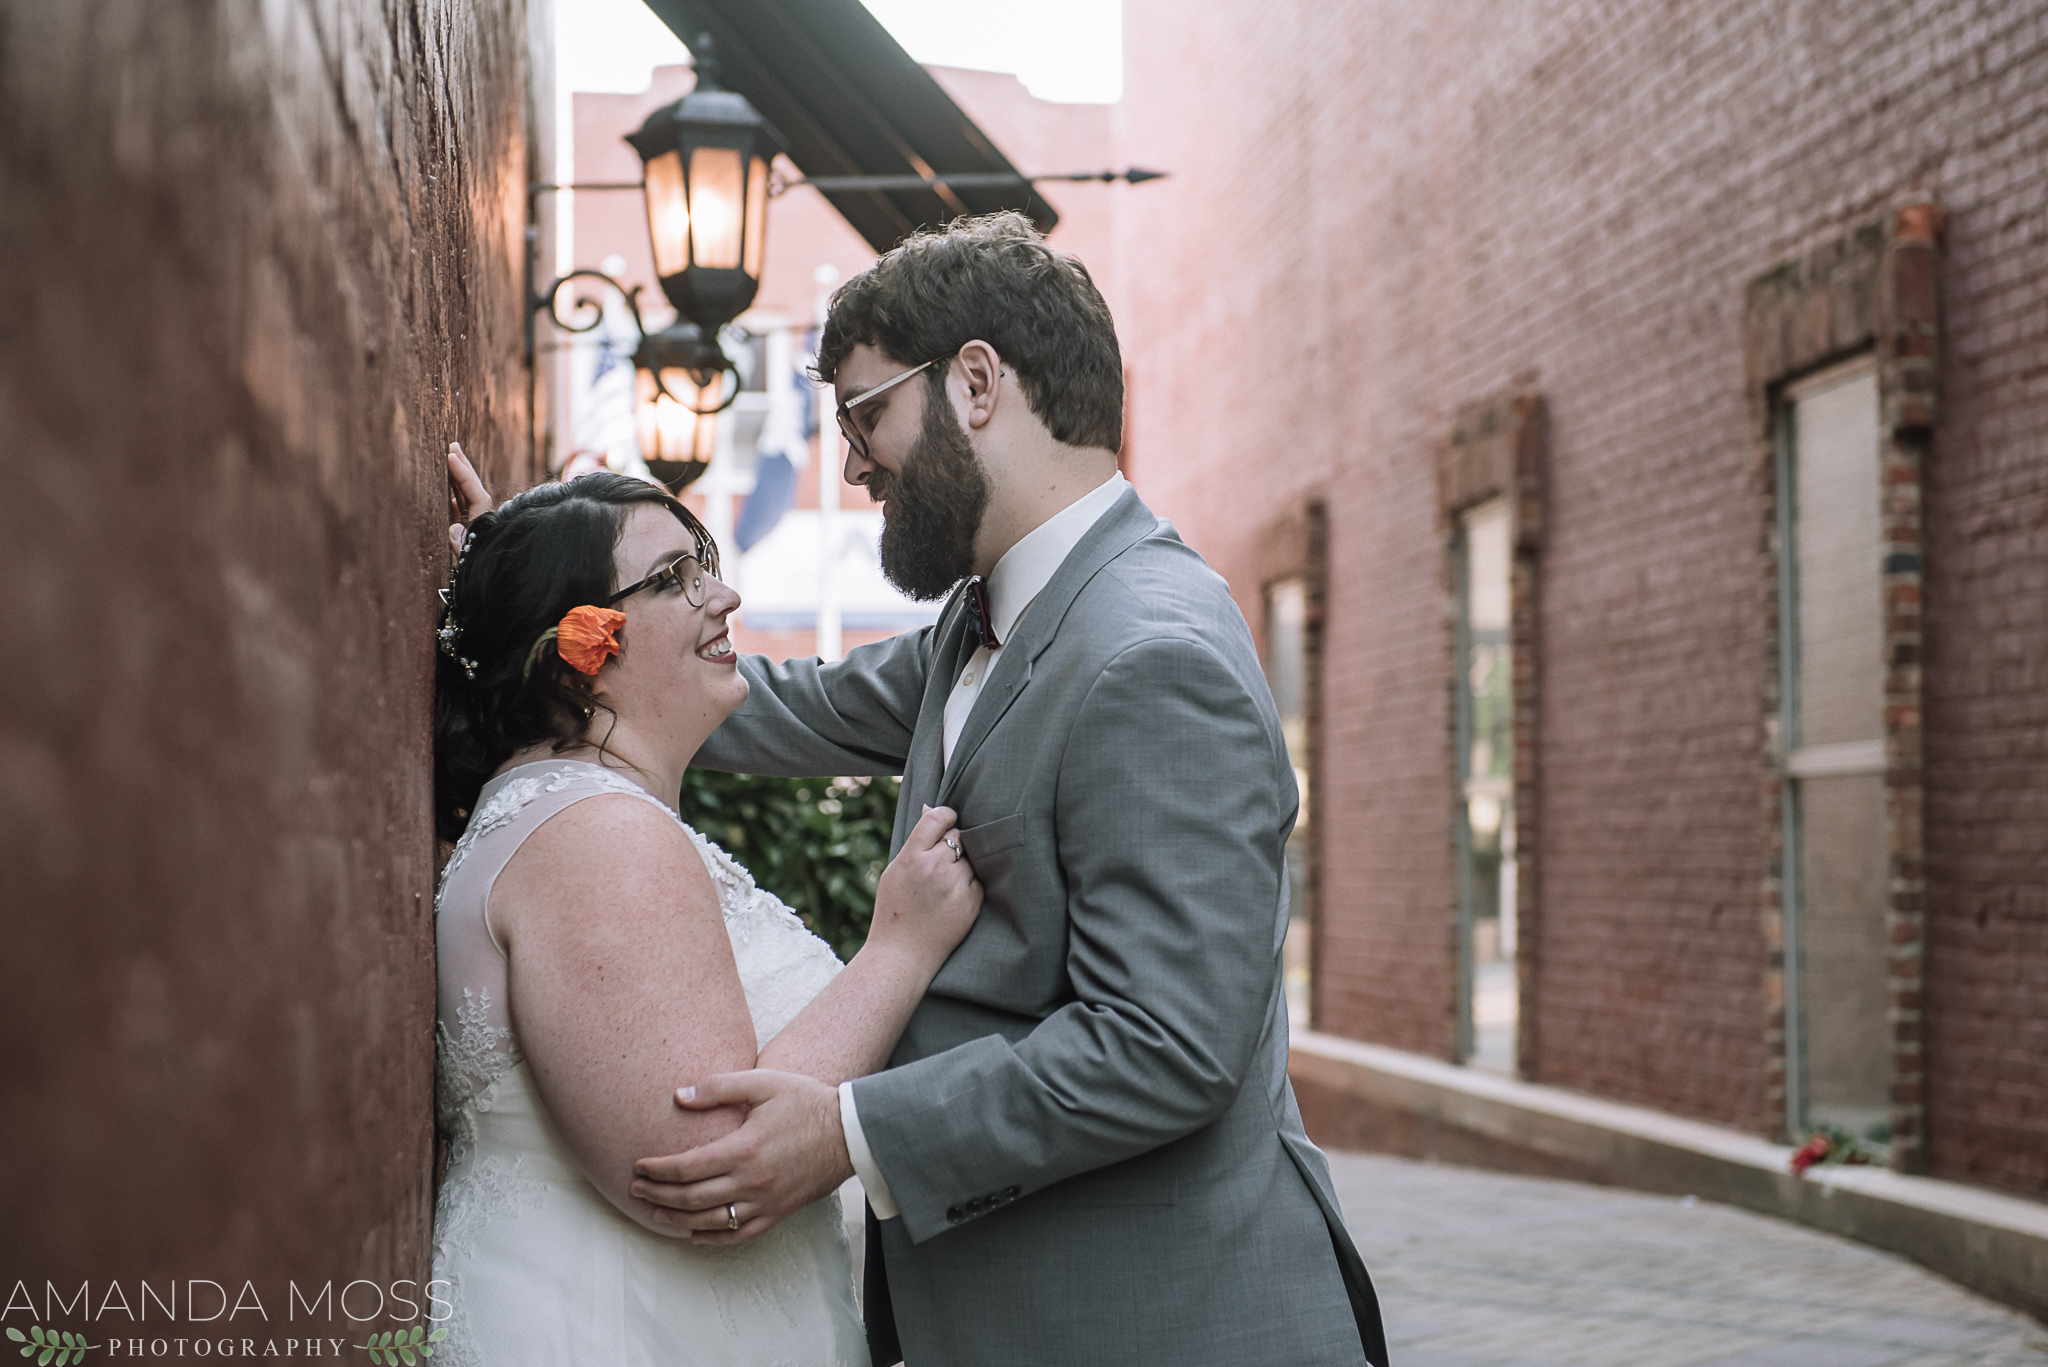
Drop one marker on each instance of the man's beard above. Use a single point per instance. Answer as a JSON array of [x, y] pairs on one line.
[[935, 505]]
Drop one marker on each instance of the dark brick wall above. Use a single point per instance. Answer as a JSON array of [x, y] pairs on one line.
[[1986, 679], [1380, 215], [263, 263]]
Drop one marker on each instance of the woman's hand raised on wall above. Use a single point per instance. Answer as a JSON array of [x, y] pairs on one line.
[[467, 497]]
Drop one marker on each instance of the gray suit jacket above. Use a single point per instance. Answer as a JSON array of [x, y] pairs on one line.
[[1087, 1124]]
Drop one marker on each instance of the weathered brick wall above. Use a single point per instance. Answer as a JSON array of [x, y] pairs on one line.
[[263, 264], [1986, 632], [1381, 214]]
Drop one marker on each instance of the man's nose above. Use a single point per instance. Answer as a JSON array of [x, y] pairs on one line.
[[858, 466]]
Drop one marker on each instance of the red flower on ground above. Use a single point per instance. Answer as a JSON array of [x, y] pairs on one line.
[[1813, 1151]]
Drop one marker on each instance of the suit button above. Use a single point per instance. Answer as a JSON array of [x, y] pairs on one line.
[[977, 1206], [954, 1215], [1011, 1193]]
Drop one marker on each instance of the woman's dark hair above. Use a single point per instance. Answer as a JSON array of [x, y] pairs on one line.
[[992, 278], [528, 562]]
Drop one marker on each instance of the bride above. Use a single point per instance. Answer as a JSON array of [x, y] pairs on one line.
[[594, 951]]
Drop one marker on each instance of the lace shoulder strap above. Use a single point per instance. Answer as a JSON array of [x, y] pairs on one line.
[[728, 875], [564, 781]]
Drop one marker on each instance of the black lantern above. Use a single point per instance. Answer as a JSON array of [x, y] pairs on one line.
[[705, 164], [707, 158], [677, 401], [681, 383]]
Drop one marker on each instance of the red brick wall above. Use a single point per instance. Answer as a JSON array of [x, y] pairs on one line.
[[1986, 631], [1377, 217], [264, 263]]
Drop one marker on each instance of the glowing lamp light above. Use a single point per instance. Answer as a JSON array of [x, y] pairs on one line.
[[678, 397], [706, 160]]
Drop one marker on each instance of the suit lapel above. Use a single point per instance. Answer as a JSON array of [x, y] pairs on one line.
[[1005, 682], [924, 768], [1127, 521]]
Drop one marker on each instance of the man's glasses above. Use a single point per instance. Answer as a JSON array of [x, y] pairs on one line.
[[685, 572], [849, 429]]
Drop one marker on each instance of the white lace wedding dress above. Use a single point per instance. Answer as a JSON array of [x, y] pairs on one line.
[[541, 1268]]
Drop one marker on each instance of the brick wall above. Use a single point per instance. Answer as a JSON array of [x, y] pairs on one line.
[[1379, 216], [1986, 633], [264, 265]]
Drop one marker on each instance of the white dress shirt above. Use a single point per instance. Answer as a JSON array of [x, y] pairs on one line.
[[1025, 568]]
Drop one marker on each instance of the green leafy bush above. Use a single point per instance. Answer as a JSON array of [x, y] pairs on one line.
[[818, 844]]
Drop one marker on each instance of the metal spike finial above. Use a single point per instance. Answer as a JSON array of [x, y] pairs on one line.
[[704, 61]]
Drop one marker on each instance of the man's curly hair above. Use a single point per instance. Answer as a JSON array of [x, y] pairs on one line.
[[994, 279]]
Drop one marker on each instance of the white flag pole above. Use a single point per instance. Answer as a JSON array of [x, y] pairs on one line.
[[830, 466]]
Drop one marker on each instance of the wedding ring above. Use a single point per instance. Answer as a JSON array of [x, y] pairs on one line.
[[953, 844], [732, 1217]]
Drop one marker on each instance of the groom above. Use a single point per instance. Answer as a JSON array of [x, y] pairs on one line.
[[1085, 1149]]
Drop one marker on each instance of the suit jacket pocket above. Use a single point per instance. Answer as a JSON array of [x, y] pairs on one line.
[[992, 837], [1011, 959]]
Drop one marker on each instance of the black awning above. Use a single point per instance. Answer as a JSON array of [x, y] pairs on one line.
[[850, 102]]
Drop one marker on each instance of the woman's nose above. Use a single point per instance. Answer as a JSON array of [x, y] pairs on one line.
[[724, 600]]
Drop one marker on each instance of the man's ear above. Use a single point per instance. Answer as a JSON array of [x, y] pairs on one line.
[[982, 370]]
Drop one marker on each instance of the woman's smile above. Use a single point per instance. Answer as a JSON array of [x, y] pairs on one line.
[[718, 650]]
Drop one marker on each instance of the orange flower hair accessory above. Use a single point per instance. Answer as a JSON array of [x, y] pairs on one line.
[[588, 637], [585, 638]]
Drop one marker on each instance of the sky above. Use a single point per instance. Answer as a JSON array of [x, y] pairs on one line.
[[1069, 51]]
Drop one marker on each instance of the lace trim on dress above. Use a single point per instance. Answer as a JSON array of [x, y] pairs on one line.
[[467, 1067], [460, 1349], [502, 807], [507, 802], [739, 898], [466, 1064], [471, 1201]]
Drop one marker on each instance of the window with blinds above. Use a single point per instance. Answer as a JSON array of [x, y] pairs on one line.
[[1838, 1045]]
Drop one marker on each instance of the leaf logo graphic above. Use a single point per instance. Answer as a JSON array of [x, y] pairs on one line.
[[394, 1346], [55, 1345]]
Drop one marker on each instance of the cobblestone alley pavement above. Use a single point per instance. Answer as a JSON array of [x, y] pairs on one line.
[[1479, 1269]]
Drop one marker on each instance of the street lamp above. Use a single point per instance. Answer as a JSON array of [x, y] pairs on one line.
[[705, 174], [706, 160], [681, 382], [675, 406], [706, 163]]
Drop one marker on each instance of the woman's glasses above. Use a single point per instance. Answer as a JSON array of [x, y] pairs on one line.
[[685, 572]]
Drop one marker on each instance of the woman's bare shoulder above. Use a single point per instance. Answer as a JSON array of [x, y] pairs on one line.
[[610, 855]]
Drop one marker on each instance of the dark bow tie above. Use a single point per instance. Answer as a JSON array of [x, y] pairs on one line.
[[978, 617]]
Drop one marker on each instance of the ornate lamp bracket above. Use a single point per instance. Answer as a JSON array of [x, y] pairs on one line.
[[705, 359]]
